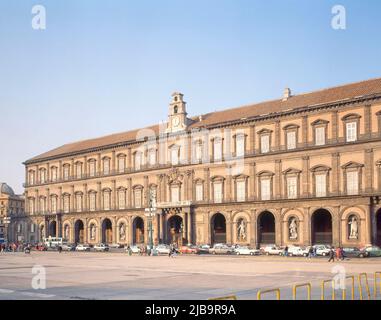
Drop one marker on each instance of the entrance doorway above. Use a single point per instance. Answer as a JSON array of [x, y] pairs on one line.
[[266, 228], [53, 229], [107, 231], [175, 230], [321, 227], [378, 227], [79, 231], [138, 230], [218, 228]]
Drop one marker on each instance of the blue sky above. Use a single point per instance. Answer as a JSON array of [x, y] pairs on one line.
[[108, 66]]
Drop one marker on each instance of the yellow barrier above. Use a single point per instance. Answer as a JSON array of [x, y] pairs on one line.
[[225, 298], [375, 283], [360, 276], [260, 292], [352, 290], [323, 289], [302, 285]]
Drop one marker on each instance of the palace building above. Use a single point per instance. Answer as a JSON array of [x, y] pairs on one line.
[[303, 169]]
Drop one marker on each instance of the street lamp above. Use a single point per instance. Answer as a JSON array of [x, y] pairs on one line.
[[150, 213]]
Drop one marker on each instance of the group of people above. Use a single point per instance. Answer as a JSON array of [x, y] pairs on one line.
[[337, 253], [12, 247]]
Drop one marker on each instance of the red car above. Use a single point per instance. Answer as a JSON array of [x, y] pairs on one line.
[[189, 249], [41, 247]]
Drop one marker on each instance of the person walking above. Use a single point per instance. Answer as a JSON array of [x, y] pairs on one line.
[[314, 251], [331, 255], [310, 252], [342, 253], [286, 251], [338, 253], [59, 249]]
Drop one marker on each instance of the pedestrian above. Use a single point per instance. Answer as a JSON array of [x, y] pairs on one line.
[[59, 249], [342, 253], [286, 251], [314, 251], [338, 253], [310, 252], [331, 255]]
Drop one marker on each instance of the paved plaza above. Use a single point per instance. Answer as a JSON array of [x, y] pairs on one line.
[[88, 275]]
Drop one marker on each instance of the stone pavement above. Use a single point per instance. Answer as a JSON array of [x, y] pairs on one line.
[[88, 275]]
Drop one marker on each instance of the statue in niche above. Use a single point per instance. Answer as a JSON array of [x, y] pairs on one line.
[[241, 230], [66, 233], [122, 231], [92, 232], [353, 229], [293, 227]]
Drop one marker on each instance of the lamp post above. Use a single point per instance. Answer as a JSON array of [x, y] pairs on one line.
[[150, 213]]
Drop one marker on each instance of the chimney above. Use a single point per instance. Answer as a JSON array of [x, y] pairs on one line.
[[200, 118], [286, 94]]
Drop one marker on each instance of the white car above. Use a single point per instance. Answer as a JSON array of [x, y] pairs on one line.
[[273, 250], [322, 250], [134, 249], [101, 247], [162, 249], [246, 251], [82, 247], [115, 245], [295, 251]]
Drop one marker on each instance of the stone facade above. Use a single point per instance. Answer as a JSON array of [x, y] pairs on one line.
[[306, 170]]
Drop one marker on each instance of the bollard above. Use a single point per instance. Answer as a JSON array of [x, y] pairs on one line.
[[224, 298], [360, 276], [323, 289], [375, 284], [260, 292], [308, 285], [352, 290]]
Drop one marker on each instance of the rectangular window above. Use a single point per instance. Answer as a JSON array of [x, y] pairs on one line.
[[42, 176], [79, 202], [106, 166], [93, 199], [31, 206], [321, 185], [199, 192], [92, 168], [240, 145], [265, 143], [175, 196], [352, 183], [79, 171], [351, 131], [66, 204], [121, 164], [122, 199], [320, 136], [241, 191], [152, 157], [217, 149], [175, 156], [198, 151], [42, 205], [106, 200], [265, 189], [138, 161], [31, 177], [66, 172], [291, 140], [32, 227], [54, 174], [292, 187], [217, 192], [138, 198], [54, 204]]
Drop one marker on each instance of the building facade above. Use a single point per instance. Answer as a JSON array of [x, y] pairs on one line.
[[13, 222], [302, 169]]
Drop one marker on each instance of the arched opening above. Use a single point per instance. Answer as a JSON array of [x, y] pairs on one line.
[[266, 228], [42, 233], [107, 231], [321, 227], [79, 231], [52, 229], [378, 227], [175, 230], [138, 231], [218, 225]]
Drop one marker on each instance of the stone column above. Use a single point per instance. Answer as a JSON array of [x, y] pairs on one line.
[[252, 138], [72, 171], [379, 175], [145, 195], [129, 193], [113, 162], [85, 200], [368, 121], [252, 179], [113, 199], [277, 135], [305, 177], [207, 185], [131, 230], [47, 172], [305, 131], [368, 229], [72, 198], [60, 200], [85, 167], [48, 208], [99, 170], [37, 201], [278, 227], [99, 196], [335, 173], [229, 192], [189, 226], [369, 172], [335, 128], [129, 159], [278, 179], [85, 231], [229, 228], [253, 226], [60, 176]]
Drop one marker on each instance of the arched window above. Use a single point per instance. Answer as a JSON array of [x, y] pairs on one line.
[[66, 171], [31, 177], [78, 170], [121, 163], [54, 173], [93, 200], [42, 175]]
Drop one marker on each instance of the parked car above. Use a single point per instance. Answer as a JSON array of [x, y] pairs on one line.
[[189, 249], [246, 251], [162, 249], [273, 250], [133, 248], [41, 247], [102, 247], [82, 247], [354, 253], [203, 249], [322, 250], [372, 251], [296, 251], [221, 249], [115, 245], [67, 247]]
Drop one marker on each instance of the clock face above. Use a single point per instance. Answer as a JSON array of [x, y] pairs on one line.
[[175, 121]]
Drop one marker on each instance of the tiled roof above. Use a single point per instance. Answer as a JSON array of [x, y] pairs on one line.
[[324, 96]]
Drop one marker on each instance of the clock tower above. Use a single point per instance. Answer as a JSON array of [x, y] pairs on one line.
[[177, 118]]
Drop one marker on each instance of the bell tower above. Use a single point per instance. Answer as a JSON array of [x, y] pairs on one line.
[[177, 117]]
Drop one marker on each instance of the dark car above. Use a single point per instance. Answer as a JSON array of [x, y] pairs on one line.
[[372, 251], [353, 252]]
